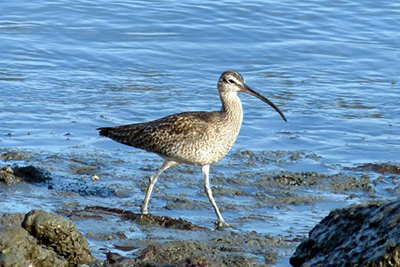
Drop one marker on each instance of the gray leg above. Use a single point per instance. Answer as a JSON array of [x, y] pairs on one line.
[[206, 170], [153, 181]]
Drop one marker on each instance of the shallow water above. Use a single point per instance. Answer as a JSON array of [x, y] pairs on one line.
[[69, 67]]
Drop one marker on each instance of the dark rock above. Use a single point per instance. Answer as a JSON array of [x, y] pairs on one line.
[[148, 219], [356, 236], [116, 260], [113, 257], [54, 232], [29, 174]]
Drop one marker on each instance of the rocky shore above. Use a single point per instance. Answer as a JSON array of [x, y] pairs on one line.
[[363, 235], [72, 234], [39, 238]]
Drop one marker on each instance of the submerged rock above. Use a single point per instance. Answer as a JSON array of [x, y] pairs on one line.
[[366, 235], [384, 168], [8, 154]]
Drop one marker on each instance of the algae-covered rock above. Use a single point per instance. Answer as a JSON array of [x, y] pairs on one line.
[[11, 219], [48, 240], [356, 236], [56, 233], [18, 248], [384, 168], [7, 176]]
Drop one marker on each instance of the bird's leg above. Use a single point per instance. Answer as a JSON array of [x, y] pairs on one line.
[[153, 181], [221, 222]]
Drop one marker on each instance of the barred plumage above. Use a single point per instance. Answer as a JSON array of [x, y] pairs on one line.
[[197, 138]]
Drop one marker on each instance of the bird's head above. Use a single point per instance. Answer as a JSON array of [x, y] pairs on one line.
[[233, 82]]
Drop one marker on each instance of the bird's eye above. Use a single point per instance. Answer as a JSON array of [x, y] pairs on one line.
[[231, 81]]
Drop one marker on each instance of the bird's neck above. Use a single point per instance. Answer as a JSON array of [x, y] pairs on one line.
[[232, 107]]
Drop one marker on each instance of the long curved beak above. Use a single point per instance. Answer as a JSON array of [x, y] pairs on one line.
[[250, 91]]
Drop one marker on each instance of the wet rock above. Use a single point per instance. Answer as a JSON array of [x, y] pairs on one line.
[[297, 179], [28, 174], [216, 248], [147, 219], [18, 248], [87, 169], [283, 188], [11, 219], [356, 236], [54, 232], [383, 168], [337, 182], [7, 176], [7, 155], [181, 202], [178, 253], [193, 246], [226, 191], [116, 260], [181, 254], [252, 158], [220, 252], [31, 174]]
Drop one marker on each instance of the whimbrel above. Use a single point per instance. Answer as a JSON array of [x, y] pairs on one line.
[[196, 138]]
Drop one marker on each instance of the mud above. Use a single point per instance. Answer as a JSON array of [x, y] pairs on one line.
[[189, 253], [182, 243], [270, 209], [141, 219]]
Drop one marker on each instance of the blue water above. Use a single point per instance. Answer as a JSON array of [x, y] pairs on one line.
[[331, 67], [67, 67]]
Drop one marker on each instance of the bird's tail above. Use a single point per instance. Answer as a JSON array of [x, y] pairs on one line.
[[104, 131], [123, 134]]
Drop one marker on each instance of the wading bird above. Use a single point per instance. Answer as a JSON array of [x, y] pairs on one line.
[[196, 138]]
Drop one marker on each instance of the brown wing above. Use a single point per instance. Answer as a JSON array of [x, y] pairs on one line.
[[166, 136]]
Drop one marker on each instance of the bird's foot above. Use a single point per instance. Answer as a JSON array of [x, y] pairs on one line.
[[220, 225], [144, 211]]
